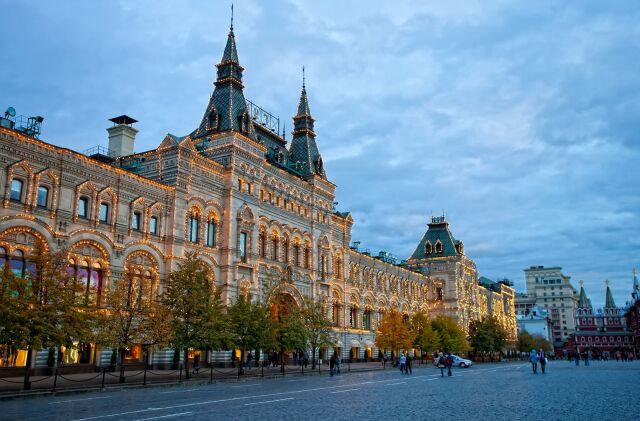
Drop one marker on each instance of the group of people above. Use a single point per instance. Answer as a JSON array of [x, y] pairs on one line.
[[445, 360], [405, 363], [538, 357]]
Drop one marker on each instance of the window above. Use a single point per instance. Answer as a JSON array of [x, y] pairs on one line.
[[153, 225], [353, 317], [306, 257], [16, 190], [43, 196], [17, 263], [89, 280], [275, 247], [104, 212], [366, 319], [83, 207], [211, 232], [285, 247], [262, 244], [243, 246], [335, 314], [135, 221], [193, 227], [296, 254]]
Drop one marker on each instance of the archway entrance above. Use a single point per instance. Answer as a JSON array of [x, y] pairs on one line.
[[283, 308]]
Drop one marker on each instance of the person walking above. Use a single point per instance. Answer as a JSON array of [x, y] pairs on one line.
[[441, 363], [448, 362], [407, 368], [403, 363], [332, 363], [249, 359], [577, 358], [338, 362], [543, 360], [587, 357], [196, 364], [533, 357]]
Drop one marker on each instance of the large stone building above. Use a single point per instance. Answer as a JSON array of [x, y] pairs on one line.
[[465, 297], [549, 289], [233, 191]]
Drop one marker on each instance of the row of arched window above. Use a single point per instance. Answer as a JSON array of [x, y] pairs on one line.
[[193, 232], [299, 259], [18, 193]]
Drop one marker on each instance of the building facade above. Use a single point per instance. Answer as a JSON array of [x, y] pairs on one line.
[[251, 204], [602, 333], [464, 297], [535, 321], [552, 291]]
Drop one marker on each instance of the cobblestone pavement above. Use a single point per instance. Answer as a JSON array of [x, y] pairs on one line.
[[506, 391]]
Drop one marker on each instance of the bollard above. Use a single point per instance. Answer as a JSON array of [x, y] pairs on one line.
[[55, 378]]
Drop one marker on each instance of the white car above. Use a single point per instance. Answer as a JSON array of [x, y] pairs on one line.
[[462, 362]]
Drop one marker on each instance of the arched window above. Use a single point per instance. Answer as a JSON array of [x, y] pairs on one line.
[[43, 196], [366, 319], [243, 246], [16, 190], [83, 207], [296, 253], [88, 278], [211, 232], [275, 246], [307, 256], [262, 244], [353, 317], [153, 225], [104, 212], [335, 313], [3, 257], [428, 248], [438, 247], [323, 266], [285, 249], [194, 223], [17, 263]]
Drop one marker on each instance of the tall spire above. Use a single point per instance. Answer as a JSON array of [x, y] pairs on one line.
[[583, 301], [303, 145], [227, 109], [608, 302], [636, 287]]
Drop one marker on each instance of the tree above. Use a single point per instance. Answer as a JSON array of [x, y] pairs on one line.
[[393, 332], [426, 338], [452, 337], [319, 329], [487, 336], [43, 309], [248, 324], [133, 317], [286, 326], [526, 342], [197, 318]]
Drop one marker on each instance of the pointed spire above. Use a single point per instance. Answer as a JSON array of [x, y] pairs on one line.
[[227, 109], [303, 145], [583, 301], [303, 105], [609, 303], [636, 287]]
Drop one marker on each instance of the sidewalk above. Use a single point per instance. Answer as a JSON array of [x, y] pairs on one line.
[[13, 386]]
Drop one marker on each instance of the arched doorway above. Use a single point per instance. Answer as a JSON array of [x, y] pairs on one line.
[[283, 309]]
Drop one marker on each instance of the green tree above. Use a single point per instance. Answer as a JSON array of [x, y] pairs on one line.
[[133, 318], [318, 327], [452, 337], [487, 336], [286, 326], [43, 309], [248, 324], [426, 338], [197, 319], [394, 333]]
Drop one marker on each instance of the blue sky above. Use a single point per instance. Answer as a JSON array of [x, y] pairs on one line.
[[518, 119]]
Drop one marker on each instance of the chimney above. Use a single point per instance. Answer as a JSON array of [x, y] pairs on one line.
[[122, 135]]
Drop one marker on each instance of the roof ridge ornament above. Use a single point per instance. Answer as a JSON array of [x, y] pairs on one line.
[[231, 27]]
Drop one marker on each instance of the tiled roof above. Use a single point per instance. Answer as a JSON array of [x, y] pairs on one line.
[[437, 232]]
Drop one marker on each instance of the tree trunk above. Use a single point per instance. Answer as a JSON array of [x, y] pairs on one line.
[[121, 351], [27, 369], [186, 363], [313, 358]]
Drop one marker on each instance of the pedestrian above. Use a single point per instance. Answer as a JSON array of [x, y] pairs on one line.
[[403, 363], [407, 368], [196, 364], [587, 357], [449, 362], [577, 358], [295, 358], [533, 357], [441, 361], [543, 360], [332, 363], [249, 359]]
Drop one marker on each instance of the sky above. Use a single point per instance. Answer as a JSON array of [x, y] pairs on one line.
[[518, 119]]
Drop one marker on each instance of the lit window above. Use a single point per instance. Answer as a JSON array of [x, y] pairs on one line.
[[211, 232], [193, 227], [104, 212], [153, 225], [243, 246], [135, 221], [43, 196], [16, 190], [83, 207]]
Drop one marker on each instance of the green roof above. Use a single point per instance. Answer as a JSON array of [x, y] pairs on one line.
[[609, 303], [583, 301], [438, 232]]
